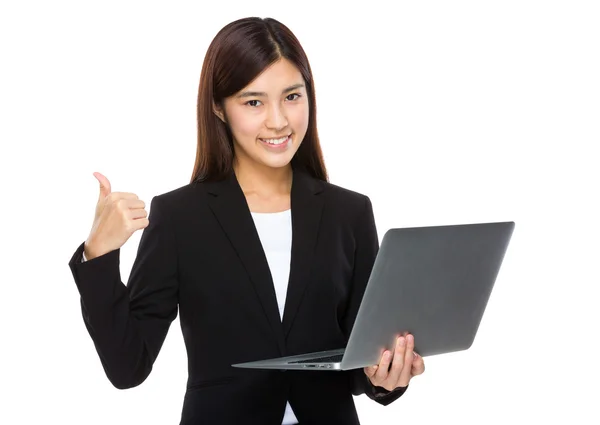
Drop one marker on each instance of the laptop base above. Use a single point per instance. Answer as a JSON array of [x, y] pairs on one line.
[[309, 361]]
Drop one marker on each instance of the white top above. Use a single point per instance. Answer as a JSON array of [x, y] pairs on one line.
[[275, 233]]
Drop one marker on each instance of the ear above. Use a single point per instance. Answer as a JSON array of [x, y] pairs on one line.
[[218, 110]]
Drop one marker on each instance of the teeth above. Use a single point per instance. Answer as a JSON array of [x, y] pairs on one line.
[[276, 141]]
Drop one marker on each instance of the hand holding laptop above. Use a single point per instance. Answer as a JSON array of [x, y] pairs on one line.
[[406, 363]]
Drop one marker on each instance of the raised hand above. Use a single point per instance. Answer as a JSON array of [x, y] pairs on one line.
[[118, 216]]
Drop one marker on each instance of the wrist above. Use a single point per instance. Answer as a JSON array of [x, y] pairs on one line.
[[90, 251]]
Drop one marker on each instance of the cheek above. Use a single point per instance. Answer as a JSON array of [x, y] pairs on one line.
[[244, 125], [298, 118]]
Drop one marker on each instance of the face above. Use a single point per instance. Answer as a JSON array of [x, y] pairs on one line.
[[269, 117]]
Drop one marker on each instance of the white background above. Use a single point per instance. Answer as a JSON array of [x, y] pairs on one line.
[[442, 112]]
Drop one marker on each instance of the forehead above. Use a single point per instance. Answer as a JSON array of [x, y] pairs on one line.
[[277, 77]]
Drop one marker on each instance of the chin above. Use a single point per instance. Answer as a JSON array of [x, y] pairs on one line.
[[276, 162]]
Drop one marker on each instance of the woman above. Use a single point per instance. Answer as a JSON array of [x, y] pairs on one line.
[[220, 250]]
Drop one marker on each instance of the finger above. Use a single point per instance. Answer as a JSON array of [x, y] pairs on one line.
[[137, 213], [408, 359], [398, 362], [117, 196], [126, 205], [418, 365], [104, 186], [370, 371], [133, 204], [416, 357], [138, 224], [384, 365]]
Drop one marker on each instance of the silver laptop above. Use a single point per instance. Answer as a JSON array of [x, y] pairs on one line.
[[433, 282]]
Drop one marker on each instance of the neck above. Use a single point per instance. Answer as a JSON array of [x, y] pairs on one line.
[[263, 180]]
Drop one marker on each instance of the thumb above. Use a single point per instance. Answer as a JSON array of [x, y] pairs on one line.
[[104, 186]]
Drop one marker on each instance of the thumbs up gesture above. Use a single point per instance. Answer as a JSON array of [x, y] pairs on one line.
[[118, 216]]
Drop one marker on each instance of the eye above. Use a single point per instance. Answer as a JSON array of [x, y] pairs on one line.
[[294, 94], [253, 100]]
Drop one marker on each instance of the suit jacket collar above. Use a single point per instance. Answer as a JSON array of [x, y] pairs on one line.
[[229, 205]]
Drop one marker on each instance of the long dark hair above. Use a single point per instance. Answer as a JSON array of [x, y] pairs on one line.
[[238, 54]]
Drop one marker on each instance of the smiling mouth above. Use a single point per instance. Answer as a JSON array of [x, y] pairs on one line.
[[277, 142]]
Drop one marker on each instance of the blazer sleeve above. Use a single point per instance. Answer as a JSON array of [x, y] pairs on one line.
[[366, 248], [128, 323]]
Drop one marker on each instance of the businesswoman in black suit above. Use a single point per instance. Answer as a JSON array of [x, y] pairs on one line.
[[262, 256]]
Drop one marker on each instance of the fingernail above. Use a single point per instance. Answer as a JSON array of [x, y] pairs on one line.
[[402, 341]]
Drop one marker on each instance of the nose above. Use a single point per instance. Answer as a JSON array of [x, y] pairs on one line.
[[276, 118]]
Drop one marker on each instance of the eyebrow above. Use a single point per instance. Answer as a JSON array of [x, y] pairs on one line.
[[260, 93]]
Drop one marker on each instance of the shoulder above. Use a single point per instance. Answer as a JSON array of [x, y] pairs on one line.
[[336, 191], [178, 197], [347, 200]]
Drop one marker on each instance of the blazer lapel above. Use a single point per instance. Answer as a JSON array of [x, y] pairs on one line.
[[231, 210], [306, 216]]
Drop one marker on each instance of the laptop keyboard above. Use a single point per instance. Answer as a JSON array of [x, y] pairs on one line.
[[328, 359]]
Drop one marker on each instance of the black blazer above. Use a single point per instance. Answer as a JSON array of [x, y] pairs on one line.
[[201, 252]]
